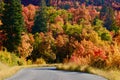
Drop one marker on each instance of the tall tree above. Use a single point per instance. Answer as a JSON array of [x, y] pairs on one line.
[[109, 21], [99, 2], [40, 24], [103, 11], [48, 2], [12, 24], [1, 7], [43, 3]]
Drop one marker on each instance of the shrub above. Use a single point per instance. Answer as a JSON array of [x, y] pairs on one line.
[[29, 62], [86, 53], [106, 55], [40, 61], [10, 58], [106, 36], [113, 60]]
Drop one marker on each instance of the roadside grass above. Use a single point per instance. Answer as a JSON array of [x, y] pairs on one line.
[[110, 74], [7, 71]]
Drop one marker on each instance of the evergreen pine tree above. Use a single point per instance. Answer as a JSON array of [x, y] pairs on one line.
[[1, 7], [48, 2], [43, 3], [107, 14], [40, 24], [103, 11], [12, 24]]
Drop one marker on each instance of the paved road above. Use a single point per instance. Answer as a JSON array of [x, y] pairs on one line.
[[50, 73]]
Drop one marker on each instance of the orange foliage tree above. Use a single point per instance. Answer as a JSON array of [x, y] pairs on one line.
[[117, 18], [86, 53], [88, 13], [28, 13], [25, 49]]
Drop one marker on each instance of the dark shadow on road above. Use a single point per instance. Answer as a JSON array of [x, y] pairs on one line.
[[54, 69], [44, 68]]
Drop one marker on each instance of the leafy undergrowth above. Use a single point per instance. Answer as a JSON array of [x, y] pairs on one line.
[[110, 74], [11, 59], [10, 64]]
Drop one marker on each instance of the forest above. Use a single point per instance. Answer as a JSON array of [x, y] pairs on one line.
[[84, 32]]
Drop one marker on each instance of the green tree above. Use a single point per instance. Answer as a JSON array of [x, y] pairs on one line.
[[103, 11], [97, 22], [110, 22], [102, 31], [107, 13], [42, 48], [72, 30], [99, 2], [1, 7], [40, 24], [48, 2], [12, 24], [43, 3], [106, 36]]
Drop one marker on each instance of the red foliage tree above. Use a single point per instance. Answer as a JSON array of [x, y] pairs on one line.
[[86, 53], [88, 13], [28, 13], [2, 38], [117, 18]]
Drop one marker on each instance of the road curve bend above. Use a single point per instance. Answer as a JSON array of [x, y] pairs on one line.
[[50, 73]]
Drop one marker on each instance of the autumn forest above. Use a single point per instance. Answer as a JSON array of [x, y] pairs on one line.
[[84, 32]]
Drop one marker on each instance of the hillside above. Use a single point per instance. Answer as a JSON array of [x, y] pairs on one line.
[[80, 32], [88, 2], [69, 31]]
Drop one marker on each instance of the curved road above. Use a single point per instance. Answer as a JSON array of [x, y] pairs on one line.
[[50, 73]]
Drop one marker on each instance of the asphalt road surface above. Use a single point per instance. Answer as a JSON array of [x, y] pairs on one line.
[[50, 73]]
